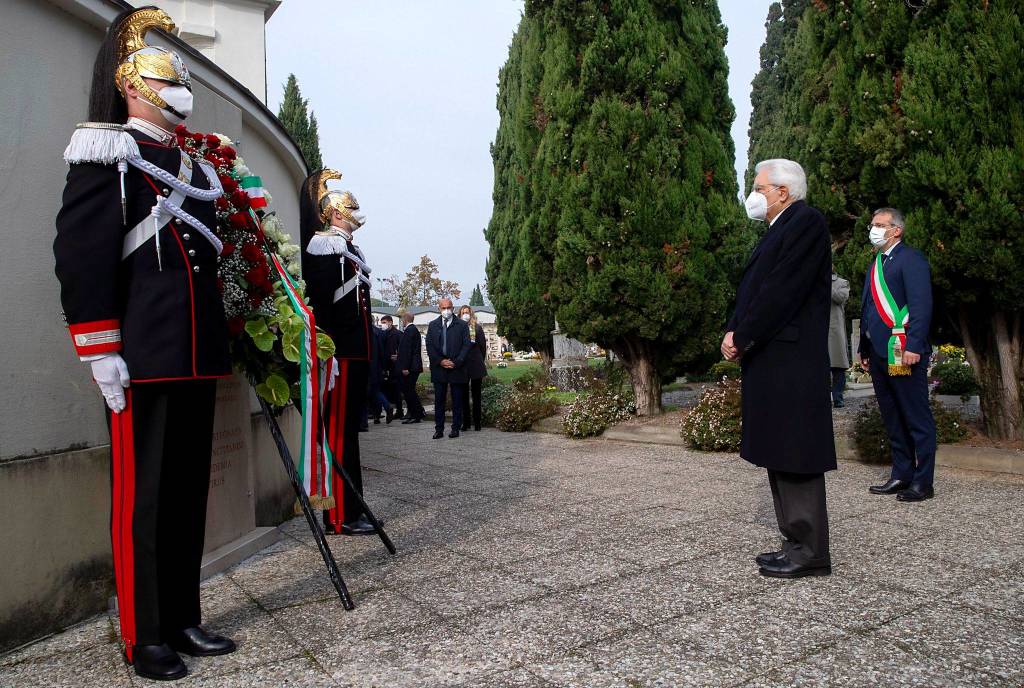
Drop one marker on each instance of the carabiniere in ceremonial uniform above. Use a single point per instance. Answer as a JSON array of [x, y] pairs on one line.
[[137, 262], [337, 280]]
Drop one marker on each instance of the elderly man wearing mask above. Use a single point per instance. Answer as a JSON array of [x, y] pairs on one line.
[[448, 346]]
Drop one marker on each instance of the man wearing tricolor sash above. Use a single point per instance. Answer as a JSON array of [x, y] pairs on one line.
[[137, 262], [337, 280], [894, 346]]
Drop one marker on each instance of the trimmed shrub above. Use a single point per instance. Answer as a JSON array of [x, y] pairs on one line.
[[955, 377], [728, 369], [590, 414], [491, 399], [872, 442], [714, 424], [520, 409]]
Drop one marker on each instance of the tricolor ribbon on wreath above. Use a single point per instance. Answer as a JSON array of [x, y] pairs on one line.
[[315, 380], [893, 316]]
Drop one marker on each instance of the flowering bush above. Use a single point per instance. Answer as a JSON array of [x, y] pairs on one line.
[[952, 371], [872, 442], [491, 400], [520, 409], [714, 424], [590, 414], [265, 331]]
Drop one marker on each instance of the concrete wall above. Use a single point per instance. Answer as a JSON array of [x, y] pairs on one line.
[[54, 453]]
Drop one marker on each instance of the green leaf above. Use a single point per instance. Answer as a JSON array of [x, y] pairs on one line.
[[324, 346], [291, 346], [274, 389], [262, 337]]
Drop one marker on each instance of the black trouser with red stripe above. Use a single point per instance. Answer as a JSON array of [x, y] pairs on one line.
[[160, 471], [343, 416]]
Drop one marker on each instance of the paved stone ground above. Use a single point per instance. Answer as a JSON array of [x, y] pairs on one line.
[[534, 560]]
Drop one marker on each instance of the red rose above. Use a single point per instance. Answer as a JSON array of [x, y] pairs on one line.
[[236, 325], [266, 288], [255, 300], [238, 220], [222, 203], [228, 152], [228, 249], [182, 140], [212, 157], [181, 130], [252, 253], [212, 141], [240, 199], [197, 139], [229, 184]]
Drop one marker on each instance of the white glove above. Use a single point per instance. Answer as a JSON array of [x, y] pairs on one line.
[[111, 374], [333, 364]]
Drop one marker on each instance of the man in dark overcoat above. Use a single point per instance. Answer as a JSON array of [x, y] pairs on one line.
[[409, 366], [448, 346], [779, 333]]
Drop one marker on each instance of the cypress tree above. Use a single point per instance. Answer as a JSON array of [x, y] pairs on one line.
[[631, 180], [477, 297], [293, 114]]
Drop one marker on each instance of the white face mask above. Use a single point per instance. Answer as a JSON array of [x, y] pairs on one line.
[[465, 316], [877, 236], [385, 326], [446, 313], [179, 98], [757, 206]]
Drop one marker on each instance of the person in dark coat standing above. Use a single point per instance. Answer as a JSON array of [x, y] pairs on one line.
[[376, 400], [448, 347], [896, 354], [838, 347], [136, 258], [389, 364], [476, 368], [779, 333], [410, 366]]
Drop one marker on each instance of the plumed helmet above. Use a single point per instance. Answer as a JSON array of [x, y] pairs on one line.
[[136, 60]]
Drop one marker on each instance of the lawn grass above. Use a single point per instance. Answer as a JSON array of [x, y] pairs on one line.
[[516, 369]]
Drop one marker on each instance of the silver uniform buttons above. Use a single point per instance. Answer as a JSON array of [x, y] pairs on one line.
[[191, 251], [186, 236], [167, 192], [195, 268]]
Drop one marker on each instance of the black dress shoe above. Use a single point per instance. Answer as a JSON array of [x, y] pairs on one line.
[[784, 568], [453, 433], [465, 427], [915, 493], [477, 427], [768, 557], [358, 527], [196, 642], [389, 413], [891, 486], [410, 420], [399, 415], [438, 434], [158, 662]]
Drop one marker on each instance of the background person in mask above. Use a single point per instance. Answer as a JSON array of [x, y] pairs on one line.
[[779, 333], [448, 346], [896, 314], [476, 368], [389, 365], [838, 348], [137, 263]]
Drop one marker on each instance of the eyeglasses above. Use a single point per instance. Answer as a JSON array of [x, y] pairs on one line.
[[764, 189]]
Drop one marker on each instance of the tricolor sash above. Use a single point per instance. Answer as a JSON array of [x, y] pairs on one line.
[[893, 316]]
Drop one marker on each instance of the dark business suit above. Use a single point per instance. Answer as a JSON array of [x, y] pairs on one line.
[[410, 359], [903, 400], [451, 342], [780, 328], [391, 378], [476, 371]]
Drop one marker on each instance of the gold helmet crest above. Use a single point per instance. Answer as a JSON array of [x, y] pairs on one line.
[[136, 60], [342, 201]]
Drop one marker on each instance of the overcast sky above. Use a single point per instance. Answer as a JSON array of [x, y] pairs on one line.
[[404, 92]]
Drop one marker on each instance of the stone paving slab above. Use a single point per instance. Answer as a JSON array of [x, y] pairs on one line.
[[533, 560]]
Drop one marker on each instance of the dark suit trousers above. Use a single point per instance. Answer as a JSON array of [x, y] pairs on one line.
[[412, 398], [471, 390], [343, 416], [802, 515], [160, 477], [441, 405], [903, 401]]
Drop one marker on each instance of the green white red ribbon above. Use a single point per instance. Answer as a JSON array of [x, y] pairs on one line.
[[253, 187], [314, 465], [892, 315]]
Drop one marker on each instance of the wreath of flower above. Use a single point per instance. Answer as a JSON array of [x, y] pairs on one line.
[[264, 330]]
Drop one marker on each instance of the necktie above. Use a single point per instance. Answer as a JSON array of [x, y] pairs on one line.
[[444, 336]]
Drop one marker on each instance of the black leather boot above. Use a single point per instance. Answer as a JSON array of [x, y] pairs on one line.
[[158, 662]]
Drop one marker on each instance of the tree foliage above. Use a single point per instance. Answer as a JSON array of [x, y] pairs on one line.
[[916, 105], [300, 124], [421, 286], [615, 200], [477, 297]]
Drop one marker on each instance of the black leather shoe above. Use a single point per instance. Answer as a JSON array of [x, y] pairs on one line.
[[389, 414], [438, 434], [915, 493], [358, 527], [196, 642], [158, 662], [784, 568], [410, 420], [768, 557], [891, 486], [399, 415], [465, 427], [477, 427], [453, 433]]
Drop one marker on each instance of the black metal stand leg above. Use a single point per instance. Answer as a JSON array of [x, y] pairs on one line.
[[307, 509]]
